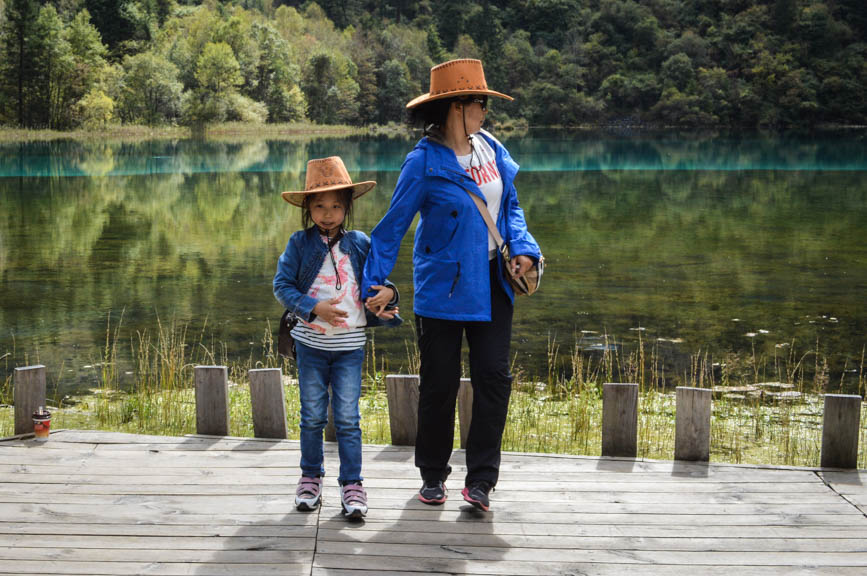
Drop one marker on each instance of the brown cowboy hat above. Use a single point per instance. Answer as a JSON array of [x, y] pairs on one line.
[[324, 174], [456, 78]]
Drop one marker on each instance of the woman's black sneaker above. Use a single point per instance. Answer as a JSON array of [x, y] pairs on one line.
[[477, 494], [433, 492]]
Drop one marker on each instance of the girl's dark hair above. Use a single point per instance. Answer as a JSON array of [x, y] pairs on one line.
[[434, 112], [345, 199]]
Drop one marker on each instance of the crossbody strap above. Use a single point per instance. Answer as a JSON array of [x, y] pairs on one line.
[[492, 228]]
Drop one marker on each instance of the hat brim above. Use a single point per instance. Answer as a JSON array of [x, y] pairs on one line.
[[430, 98], [296, 198]]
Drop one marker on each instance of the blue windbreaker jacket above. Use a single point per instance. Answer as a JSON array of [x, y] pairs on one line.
[[450, 255]]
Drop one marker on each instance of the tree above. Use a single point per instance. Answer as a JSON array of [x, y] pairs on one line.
[[152, 92], [217, 70], [97, 109], [394, 91], [677, 71], [52, 70], [330, 89], [277, 78], [18, 56]]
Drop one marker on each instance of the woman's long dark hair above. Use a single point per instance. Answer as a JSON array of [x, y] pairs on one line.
[[345, 199], [432, 113]]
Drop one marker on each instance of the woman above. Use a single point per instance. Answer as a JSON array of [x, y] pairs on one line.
[[458, 276]]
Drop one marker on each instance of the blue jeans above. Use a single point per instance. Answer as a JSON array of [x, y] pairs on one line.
[[342, 370]]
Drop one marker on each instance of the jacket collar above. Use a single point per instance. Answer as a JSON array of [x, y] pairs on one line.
[[440, 160]]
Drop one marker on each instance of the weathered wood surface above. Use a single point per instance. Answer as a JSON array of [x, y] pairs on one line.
[[465, 409], [692, 424], [840, 428], [402, 392], [212, 400], [268, 403], [619, 419], [109, 503], [29, 395]]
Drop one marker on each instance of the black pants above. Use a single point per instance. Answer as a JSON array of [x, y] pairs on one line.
[[439, 342]]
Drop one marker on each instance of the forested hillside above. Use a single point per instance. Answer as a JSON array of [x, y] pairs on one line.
[[778, 63]]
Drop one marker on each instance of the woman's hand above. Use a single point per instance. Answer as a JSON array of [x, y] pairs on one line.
[[520, 265], [328, 311], [377, 304]]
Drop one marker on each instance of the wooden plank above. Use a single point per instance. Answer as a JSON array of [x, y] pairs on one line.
[[391, 498], [28, 395], [300, 532], [730, 543], [402, 393], [212, 400], [342, 564], [69, 568], [840, 430], [637, 557], [619, 419], [692, 424], [152, 514], [465, 409], [465, 514], [146, 555], [669, 530], [39, 492], [268, 403], [157, 542]]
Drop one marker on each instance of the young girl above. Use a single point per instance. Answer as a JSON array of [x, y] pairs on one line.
[[318, 280]]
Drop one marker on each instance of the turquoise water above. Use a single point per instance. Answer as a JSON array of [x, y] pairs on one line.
[[696, 244]]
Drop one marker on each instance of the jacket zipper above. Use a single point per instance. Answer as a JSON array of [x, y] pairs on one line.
[[455, 281]]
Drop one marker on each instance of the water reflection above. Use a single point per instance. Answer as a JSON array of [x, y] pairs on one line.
[[742, 262]]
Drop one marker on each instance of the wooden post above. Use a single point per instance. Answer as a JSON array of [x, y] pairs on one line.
[[330, 430], [28, 395], [840, 431], [212, 400], [465, 409], [692, 424], [402, 392], [619, 419], [269, 403]]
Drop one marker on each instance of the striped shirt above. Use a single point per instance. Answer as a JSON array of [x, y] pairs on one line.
[[336, 279]]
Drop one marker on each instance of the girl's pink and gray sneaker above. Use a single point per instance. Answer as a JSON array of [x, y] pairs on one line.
[[308, 494], [354, 501]]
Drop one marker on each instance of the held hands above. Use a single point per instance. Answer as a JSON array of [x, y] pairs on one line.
[[377, 304], [520, 265], [328, 311]]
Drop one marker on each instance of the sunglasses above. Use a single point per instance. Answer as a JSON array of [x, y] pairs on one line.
[[480, 100]]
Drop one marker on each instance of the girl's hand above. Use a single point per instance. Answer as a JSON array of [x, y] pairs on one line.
[[520, 265], [377, 304], [389, 314], [328, 311]]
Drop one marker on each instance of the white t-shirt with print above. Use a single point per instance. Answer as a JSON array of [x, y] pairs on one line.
[[349, 335], [481, 165]]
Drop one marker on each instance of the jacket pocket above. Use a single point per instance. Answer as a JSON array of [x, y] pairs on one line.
[[435, 279], [436, 240]]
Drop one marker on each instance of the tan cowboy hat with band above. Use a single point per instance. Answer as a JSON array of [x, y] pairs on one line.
[[324, 174], [456, 78]]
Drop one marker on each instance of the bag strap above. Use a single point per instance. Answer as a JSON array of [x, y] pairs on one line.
[[492, 228]]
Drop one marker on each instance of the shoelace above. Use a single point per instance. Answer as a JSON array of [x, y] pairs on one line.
[[354, 493]]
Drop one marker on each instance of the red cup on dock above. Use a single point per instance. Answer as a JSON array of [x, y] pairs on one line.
[[41, 424]]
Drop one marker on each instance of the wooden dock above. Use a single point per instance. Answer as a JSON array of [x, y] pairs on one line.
[[106, 503]]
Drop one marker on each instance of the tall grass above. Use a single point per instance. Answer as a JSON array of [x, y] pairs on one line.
[[754, 420]]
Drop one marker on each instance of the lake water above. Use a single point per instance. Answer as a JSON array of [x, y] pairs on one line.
[[730, 246]]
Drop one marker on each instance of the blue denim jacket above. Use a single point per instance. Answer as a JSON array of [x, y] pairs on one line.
[[300, 263]]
